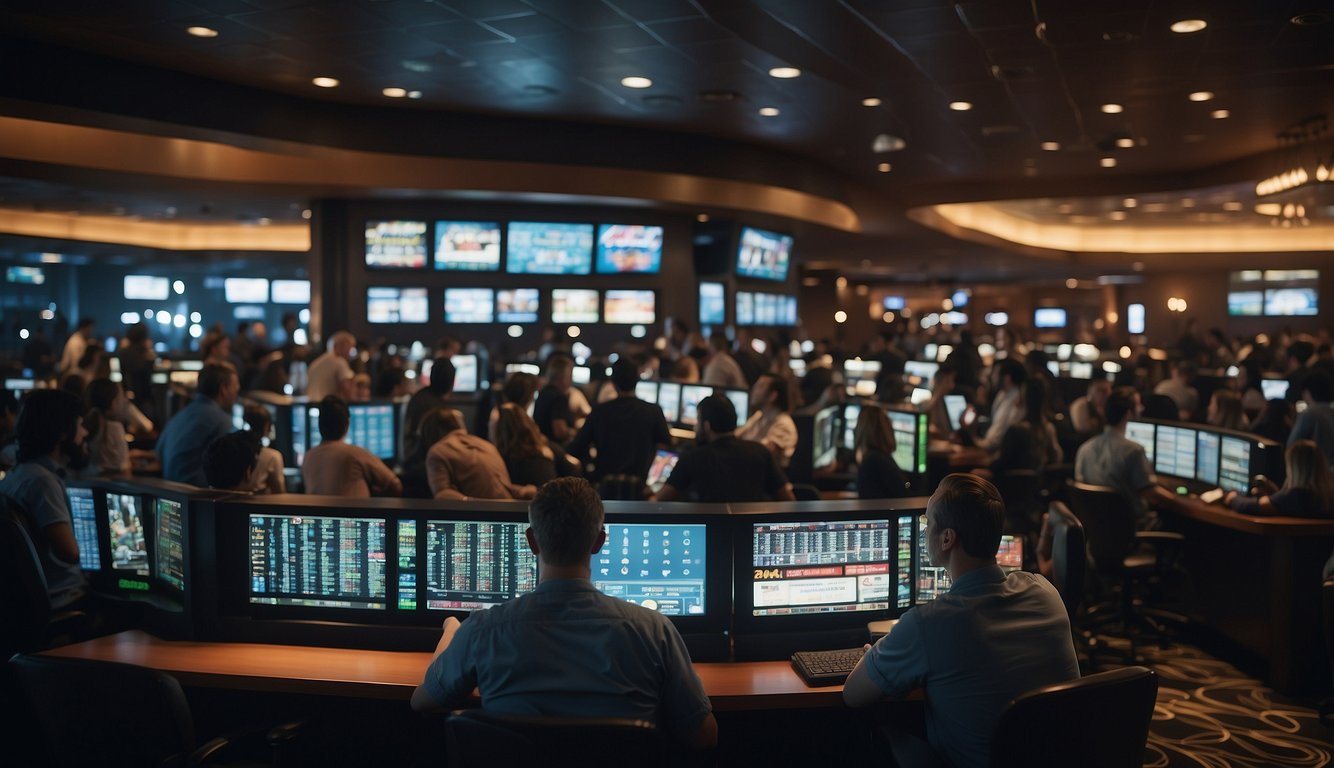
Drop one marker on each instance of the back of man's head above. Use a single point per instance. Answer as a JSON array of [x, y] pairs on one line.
[[1300, 351], [1186, 370], [47, 418], [718, 341], [624, 375], [718, 412], [212, 379], [973, 508], [559, 367], [566, 518], [1120, 405], [1013, 370], [228, 459], [442, 376], [1319, 385], [334, 418]]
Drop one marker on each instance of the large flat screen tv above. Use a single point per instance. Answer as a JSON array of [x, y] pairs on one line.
[[762, 254], [396, 244], [470, 246], [629, 248], [549, 249]]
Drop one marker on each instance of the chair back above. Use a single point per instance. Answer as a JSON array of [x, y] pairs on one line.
[[1069, 555], [1327, 600], [805, 492], [1021, 490], [1109, 524], [1100, 721], [103, 713], [25, 603], [480, 738]]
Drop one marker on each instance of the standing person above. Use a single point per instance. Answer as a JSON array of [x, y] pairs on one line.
[[268, 474], [625, 431], [50, 440], [1178, 387], [723, 468], [1308, 490], [521, 389], [330, 373], [433, 397], [975, 648], [208, 417], [1316, 423], [722, 369], [1007, 408], [136, 365], [552, 410], [108, 451], [528, 655], [771, 424], [216, 349], [1046, 444], [878, 475], [337, 468], [75, 347]]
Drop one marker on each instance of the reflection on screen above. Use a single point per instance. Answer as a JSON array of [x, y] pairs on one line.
[[820, 567], [170, 544], [712, 304], [317, 562], [1174, 451], [400, 244], [550, 249], [1142, 433], [658, 566], [629, 248], [1234, 467], [128, 551], [472, 564], [83, 516], [467, 245]]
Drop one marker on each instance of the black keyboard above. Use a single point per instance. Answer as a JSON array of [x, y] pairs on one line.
[[821, 668]]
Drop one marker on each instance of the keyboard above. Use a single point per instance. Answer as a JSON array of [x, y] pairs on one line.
[[821, 668]]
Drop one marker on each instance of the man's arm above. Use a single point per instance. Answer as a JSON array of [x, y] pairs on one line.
[[60, 540], [384, 481], [437, 477], [894, 666], [705, 736], [859, 690], [421, 700]]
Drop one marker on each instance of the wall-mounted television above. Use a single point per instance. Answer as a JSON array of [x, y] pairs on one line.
[[745, 308], [574, 305], [624, 307], [712, 304], [25, 275], [516, 305], [549, 249], [1245, 303], [762, 254], [893, 303], [1291, 302], [470, 246], [146, 287], [396, 244], [1049, 317], [290, 291], [396, 305], [469, 305], [1135, 318], [629, 248], [246, 290]]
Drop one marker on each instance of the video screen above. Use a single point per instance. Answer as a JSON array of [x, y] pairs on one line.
[[955, 405], [1174, 451], [396, 244], [851, 412], [1234, 465], [745, 308], [1291, 302], [246, 290], [1049, 317], [469, 305], [860, 377], [470, 246], [290, 291], [465, 373], [740, 401], [128, 550], [647, 391], [823, 448], [712, 304], [1245, 303], [630, 307], [574, 305], [26, 275], [629, 248], [893, 303], [1206, 458], [657, 566], [691, 394], [1141, 433], [960, 298], [396, 305], [549, 249], [170, 545], [472, 565], [763, 254], [516, 305], [371, 426], [821, 567], [1010, 554], [1274, 389], [1135, 318], [83, 518], [905, 440], [147, 287], [669, 400], [920, 372], [318, 562], [661, 469]]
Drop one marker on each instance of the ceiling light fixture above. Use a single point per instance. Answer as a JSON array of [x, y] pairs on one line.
[[414, 94], [871, 101], [785, 73], [1051, 146], [1107, 162], [1220, 114], [884, 167], [1186, 26], [961, 106], [1232, 205], [1201, 96], [886, 143], [202, 31], [1129, 202], [1117, 215], [636, 82], [769, 111], [326, 82], [1112, 109], [1125, 143], [395, 93]]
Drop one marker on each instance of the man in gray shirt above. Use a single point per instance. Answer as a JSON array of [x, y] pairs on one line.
[[1113, 460], [975, 648]]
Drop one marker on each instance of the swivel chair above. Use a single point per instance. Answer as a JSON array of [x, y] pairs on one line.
[[1099, 721], [30, 623], [1327, 603], [480, 738]]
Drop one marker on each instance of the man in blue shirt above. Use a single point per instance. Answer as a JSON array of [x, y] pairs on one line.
[[1316, 423], [181, 446], [978, 646], [50, 438], [565, 649]]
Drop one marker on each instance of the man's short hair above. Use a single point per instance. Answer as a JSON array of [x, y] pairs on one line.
[[228, 459], [780, 386], [1319, 385], [624, 374], [718, 412], [47, 418], [1014, 370], [334, 418], [1186, 369], [442, 376], [559, 364], [973, 508], [566, 518], [1120, 405], [1301, 350], [212, 377]]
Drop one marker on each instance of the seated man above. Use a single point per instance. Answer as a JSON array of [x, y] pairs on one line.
[[724, 468], [1113, 460], [973, 649], [230, 462], [567, 650], [338, 468], [208, 417]]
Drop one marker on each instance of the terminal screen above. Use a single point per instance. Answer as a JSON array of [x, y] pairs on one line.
[[823, 448], [740, 403], [472, 565], [919, 372], [647, 391], [472, 246], [469, 305], [850, 415], [1010, 555], [1142, 433], [1174, 452], [128, 550], [745, 308], [1274, 389], [905, 536], [317, 562], [712, 304], [1234, 465], [669, 400], [83, 516], [955, 405], [629, 248], [820, 567], [658, 566], [465, 373], [905, 440], [691, 394], [932, 581], [860, 376], [396, 305], [516, 305], [1206, 458], [407, 565], [574, 305], [170, 544]]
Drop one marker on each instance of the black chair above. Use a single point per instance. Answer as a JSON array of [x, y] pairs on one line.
[[1069, 556], [103, 713], [479, 738], [30, 623], [1327, 601], [805, 492], [1099, 721], [1021, 490], [1133, 560]]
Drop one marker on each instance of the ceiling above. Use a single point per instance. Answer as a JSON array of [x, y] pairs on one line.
[[1035, 72]]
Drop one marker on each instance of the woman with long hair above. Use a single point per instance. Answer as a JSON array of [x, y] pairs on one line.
[[267, 476], [878, 476], [1225, 410], [1308, 491], [108, 450], [528, 456]]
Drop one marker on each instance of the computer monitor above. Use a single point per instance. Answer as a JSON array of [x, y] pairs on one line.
[[1274, 389], [370, 426], [919, 372], [323, 562], [1142, 432], [1206, 457], [1081, 370], [660, 565], [860, 377], [1010, 555], [581, 374], [920, 396], [933, 581], [712, 304], [1049, 317], [824, 448], [1174, 451], [691, 394], [740, 400], [169, 544], [626, 307], [647, 391], [83, 520], [532, 368], [465, 372], [930, 351], [910, 437], [661, 469], [517, 305], [955, 405], [129, 551], [669, 400], [475, 564], [1234, 464]]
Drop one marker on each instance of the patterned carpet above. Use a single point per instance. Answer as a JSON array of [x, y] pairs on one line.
[[1210, 715]]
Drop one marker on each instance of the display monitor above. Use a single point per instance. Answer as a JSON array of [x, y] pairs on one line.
[[146, 288], [574, 305], [740, 399], [893, 303], [317, 562], [1080, 370], [909, 440], [647, 391], [1141, 432], [125, 519], [659, 565], [470, 246], [1135, 318], [169, 546], [396, 244], [516, 305], [934, 581], [764, 255], [469, 305], [919, 396], [475, 564], [745, 308], [289, 291], [1245, 303], [581, 374], [1049, 317], [824, 445], [629, 248], [851, 412], [712, 304], [920, 372], [1234, 464], [955, 405], [465, 373], [669, 400], [931, 351], [25, 275], [1174, 451], [371, 426], [1274, 389], [1010, 553], [661, 469], [839, 570], [624, 307], [960, 298], [1288, 302], [532, 368], [549, 249], [860, 377], [246, 290], [691, 394], [83, 521], [1206, 458], [396, 305]]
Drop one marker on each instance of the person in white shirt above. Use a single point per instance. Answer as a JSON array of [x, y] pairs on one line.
[[771, 423], [331, 374], [722, 369], [267, 476], [1007, 408], [1179, 389], [75, 346]]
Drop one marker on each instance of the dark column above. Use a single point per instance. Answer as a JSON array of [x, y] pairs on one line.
[[330, 307]]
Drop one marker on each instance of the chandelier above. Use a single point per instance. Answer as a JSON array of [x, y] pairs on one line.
[[1300, 189]]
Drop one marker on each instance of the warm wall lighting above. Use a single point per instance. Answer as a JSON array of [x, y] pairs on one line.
[[842, 283], [1176, 304], [573, 332], [961, 106], [884, 167], [1130, 202], [1125, 143], [1113, 318], [1112, 109], [871, 102], [1220, 114], [1071, 283], [326, 82], [1186, 26], [1201, 96], [1051, 146], [202, 31], [769, 111], [395, 93], [840, 317], [1107, 162]]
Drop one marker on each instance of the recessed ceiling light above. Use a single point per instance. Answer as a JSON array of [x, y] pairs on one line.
[[702, 218], [884, 167], [1130, 202], [1201, 96], [414, 94], [1220, 114], [1125, 143], [1071, 283], [202, 31], [769, 111], [636, 82], [885, 142], [1112, 109], [961, 106], [1232, 205], [1107, 162], [1117, 215], [871, 102], [1187, 202], [1186, 26], [326, 82], [1051, 146], [395, 93], [785, 73], [1269, 209]]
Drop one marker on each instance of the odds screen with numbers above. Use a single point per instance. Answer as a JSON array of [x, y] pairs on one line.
[[822, 567], [317, 562]]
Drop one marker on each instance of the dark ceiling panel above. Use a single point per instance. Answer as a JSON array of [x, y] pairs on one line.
[[487, 9], [655, 10]]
